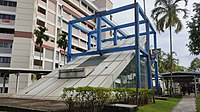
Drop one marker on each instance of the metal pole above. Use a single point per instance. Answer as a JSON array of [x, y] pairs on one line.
[[195, 87], [69, 43], [89, 41], [138, 78], [17, 82], [99, 34], [115, 36], [156, 65]]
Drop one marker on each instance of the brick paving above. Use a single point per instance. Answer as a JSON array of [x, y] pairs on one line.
[[187, 104]]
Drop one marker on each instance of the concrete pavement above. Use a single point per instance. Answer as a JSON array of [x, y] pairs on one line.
[[187, 104]]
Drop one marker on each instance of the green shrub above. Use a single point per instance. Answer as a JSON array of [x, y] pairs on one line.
[[94, 98]]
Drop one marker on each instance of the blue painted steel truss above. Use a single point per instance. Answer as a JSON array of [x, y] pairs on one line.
[[117, 29]]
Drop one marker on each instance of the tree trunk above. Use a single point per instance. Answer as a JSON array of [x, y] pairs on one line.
[[170, 28], [64, 56], [40, 65]]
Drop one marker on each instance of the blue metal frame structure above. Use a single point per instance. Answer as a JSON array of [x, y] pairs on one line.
[[117, 29]]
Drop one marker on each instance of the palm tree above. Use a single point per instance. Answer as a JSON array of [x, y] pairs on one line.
[[39, 33], [62, 43], [166, 14]]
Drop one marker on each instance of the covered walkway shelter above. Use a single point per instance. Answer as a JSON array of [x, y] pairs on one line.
[[6, 71], [183, 78]]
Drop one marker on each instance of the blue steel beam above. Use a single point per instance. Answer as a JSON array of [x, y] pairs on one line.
[[81, 28], [138, 70], [123, 37], [149, 76], [104, 51], [143, 51], [89, 41], [147, 19], [69, 52], [113, 25], [115, 37], [118, 27], [99, 33], [112, 11]]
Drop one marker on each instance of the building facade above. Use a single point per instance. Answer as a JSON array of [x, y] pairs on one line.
[[19, 18]]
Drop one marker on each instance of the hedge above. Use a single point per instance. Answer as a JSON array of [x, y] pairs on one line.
[[93, 99]]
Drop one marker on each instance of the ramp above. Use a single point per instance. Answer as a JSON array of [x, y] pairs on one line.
[[106, 69]]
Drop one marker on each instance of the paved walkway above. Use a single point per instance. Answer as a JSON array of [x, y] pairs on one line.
[[187, 104]]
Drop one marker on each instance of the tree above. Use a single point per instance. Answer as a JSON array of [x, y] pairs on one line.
[[39, 33], [195, 65], [166, 14], [194, 31], [164, 63], [63, 43]]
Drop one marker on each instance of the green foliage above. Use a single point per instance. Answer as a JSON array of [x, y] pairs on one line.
[[63, 43], [160, 106], [194, 65], [198, 102], [166, 14], [94, 98], [194, 31], [164, 63], [39, 33]]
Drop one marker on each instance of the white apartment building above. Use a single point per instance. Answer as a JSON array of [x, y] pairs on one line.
[[19, 18]]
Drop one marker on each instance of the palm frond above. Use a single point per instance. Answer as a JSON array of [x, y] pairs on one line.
[[185, 12], [176, 1]]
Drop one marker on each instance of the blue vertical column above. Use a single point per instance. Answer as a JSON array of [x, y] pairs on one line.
[[148, 56], [115, 36], [156, 64], [138, 71], [89, 41], [69, 49], [98, 33]]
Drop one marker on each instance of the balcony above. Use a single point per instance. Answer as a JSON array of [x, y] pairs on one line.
[[42, 3], [40, 15], [6, 36], [7, 22], [7, 9]]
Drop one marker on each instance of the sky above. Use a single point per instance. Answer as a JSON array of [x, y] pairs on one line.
[[179, 40]]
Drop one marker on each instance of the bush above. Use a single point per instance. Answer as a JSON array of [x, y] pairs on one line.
[[93, 99]]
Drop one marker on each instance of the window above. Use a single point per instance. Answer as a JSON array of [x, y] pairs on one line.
[[41, 10], [45, 1], [37, 62], [84, 4], [7, 31], [41, 23], [90, 9], [37, 49], [8, 3], [59, 19], [5, 59], [90, 27], [5, 45], [6, 16]]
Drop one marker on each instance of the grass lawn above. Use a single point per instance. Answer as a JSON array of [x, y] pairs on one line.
[[160, 106], [198, 102]]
